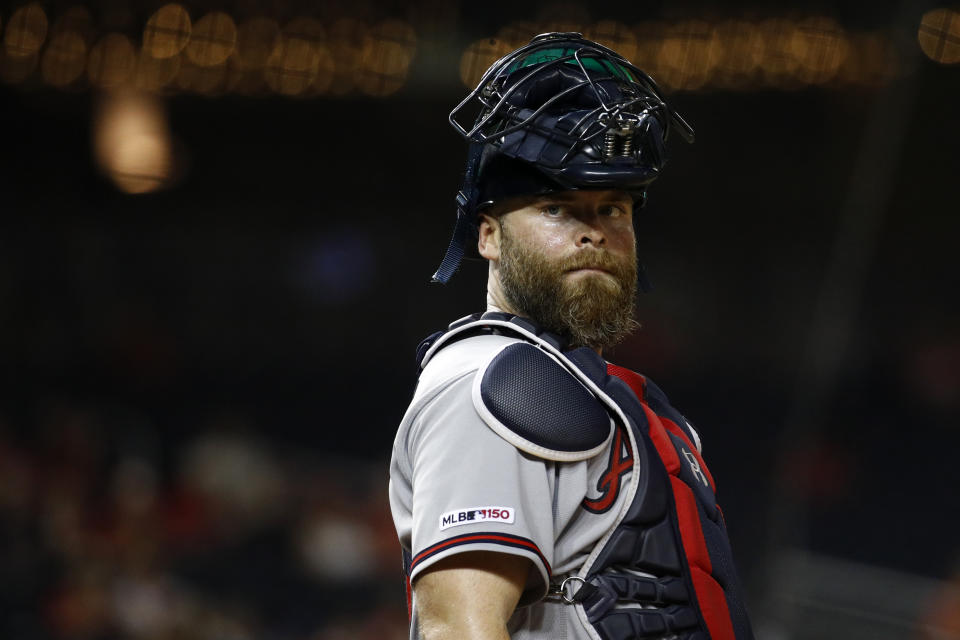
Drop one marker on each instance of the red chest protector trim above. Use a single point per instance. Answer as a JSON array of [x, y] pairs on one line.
[[673, 532], [709, 592]]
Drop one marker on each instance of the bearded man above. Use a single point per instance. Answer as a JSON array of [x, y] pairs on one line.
[[538, 490]]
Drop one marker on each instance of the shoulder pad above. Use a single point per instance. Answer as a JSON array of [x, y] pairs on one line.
[[657, 400], [491, 322], [531, 400]]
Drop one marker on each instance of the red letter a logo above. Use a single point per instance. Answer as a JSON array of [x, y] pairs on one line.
[[621, 461]]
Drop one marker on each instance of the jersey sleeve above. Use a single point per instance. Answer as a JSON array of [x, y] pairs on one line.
[[473, 490]]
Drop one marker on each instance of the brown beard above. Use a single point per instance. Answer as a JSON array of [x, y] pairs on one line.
[[589, 311]]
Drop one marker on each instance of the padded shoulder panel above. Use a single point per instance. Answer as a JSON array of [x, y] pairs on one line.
[[657, 400], [540, 407]]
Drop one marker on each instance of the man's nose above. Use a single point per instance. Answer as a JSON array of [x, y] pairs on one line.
[[591, 231]]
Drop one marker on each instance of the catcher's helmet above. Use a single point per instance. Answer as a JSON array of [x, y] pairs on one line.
[[560, 113]]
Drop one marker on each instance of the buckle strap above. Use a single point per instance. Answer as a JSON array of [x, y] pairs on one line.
[[466, 209], [455, 250], [601, 593], [572, 589], [664, 605]]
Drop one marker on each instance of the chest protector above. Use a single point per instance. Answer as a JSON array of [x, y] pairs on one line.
[[665, 569]]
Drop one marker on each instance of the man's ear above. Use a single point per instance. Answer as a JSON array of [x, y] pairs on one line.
[[489, 237]]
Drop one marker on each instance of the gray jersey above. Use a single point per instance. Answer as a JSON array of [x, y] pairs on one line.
[[456, 486]]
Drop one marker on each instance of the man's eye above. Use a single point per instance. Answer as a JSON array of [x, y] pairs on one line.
[[552, 210], [613, 210]]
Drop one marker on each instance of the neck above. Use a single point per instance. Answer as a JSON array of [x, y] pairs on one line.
[[496, 300], [493, 307]]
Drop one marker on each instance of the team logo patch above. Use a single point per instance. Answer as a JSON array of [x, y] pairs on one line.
[[620, 463], [695, 467], [472, 515]]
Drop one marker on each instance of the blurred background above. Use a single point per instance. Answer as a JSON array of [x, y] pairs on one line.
[[219, 219]]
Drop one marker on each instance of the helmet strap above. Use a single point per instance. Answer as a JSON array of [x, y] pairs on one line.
[[463, 229]]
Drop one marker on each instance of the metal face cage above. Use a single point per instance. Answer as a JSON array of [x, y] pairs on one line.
[[611, 98]]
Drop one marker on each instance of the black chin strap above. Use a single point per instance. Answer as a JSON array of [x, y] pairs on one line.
[[463, 230]]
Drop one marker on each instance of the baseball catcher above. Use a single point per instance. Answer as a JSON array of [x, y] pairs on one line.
[[538, 490]]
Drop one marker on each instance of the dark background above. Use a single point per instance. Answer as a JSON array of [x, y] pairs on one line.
[[199, 385]]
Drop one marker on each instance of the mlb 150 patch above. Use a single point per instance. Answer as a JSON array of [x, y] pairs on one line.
[[472, 515]]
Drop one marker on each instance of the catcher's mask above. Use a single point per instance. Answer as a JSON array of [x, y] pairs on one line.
[[560, 113]]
